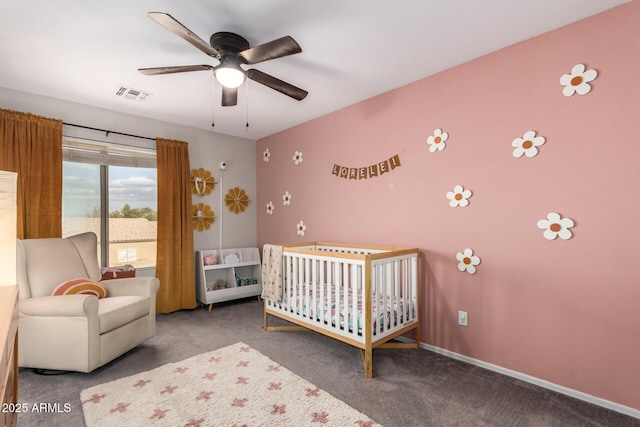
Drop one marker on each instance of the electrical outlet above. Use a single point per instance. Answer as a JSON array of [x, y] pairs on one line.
[[462, 318]]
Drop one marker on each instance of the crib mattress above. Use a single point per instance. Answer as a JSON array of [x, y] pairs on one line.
[[343, 316]]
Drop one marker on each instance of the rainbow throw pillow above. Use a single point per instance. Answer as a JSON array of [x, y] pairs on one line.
[[80, 286]]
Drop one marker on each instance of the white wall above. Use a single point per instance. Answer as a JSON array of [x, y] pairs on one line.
[[206, 150]]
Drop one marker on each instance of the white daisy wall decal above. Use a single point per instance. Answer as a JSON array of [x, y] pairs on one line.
[[527, 145], [467, 261], [556, 226], [266, 155], [437, 140], [301, 228], [458, 197], [297, 157], [270, 207], [578, 80], [286, 198]]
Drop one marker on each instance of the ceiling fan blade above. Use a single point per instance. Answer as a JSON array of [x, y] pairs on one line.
[[177, 69], [277, 84], [229, 96], [278, 48], [172, 24]]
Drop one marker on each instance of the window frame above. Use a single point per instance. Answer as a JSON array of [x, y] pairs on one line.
[[105, 154]]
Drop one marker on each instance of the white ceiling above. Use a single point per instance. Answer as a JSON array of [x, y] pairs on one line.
[[83, 51]]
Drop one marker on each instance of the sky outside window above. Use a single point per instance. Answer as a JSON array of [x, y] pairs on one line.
[[136, 187]]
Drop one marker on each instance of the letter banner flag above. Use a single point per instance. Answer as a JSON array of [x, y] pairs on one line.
[[366, 172]]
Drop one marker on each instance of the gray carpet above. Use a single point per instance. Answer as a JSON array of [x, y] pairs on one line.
[[410, 387]]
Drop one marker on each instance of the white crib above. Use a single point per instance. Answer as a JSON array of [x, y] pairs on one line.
[[364, 296]]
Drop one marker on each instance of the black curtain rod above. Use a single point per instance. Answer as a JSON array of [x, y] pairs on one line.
[[107, 132]]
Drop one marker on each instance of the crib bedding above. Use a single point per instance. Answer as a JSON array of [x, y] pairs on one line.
[[387, 316]]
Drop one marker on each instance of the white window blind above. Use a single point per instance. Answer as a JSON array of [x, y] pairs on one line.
[[107, 154]]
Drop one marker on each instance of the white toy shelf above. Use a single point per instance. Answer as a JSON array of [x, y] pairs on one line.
[[240, 268]]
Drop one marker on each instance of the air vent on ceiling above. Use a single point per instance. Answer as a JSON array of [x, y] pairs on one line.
[[131, 93]]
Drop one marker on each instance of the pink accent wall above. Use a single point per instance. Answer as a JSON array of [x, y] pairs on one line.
[[565, 311]]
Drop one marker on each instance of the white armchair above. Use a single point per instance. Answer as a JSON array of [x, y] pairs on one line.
[[77, 332]]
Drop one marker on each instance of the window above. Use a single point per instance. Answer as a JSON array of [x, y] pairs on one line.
[[111, 191], [127, 255]]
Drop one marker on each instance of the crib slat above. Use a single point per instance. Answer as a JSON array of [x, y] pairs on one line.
[[375, 297], [291, 282], [355, 283], [379, 293], [323, 301], [410, 291], [321, 290], [386, 283], [301, 291], [399, 303], [406, 298], [344, 289], [305, 287], [336, 292], [313, 283], [406, 291]]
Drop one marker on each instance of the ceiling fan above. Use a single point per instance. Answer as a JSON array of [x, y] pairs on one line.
[[232, 51]]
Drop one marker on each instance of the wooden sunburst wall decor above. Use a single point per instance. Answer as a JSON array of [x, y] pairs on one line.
[[203, 216], [202, 182], [236, 200]]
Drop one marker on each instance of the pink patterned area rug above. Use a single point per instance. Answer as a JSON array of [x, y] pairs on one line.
[[232, 386]]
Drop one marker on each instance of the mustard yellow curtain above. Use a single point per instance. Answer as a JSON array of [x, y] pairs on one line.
[[32, 146], [175, 259]]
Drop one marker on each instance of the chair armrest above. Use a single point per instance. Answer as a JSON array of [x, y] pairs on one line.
[[59, 306], [142, 286]]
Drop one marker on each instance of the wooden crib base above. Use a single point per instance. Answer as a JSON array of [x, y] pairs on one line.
[[366, 349]]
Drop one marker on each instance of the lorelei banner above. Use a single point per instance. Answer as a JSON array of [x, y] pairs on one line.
[[366, 172]]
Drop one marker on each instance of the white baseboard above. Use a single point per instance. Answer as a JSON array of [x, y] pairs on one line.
[[532, 380]]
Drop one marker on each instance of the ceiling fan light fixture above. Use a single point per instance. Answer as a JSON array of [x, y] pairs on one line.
[[232, 50], [229, 77]]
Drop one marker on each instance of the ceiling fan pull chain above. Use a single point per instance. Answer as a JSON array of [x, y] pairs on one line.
[[246, 126], [213, 100]]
